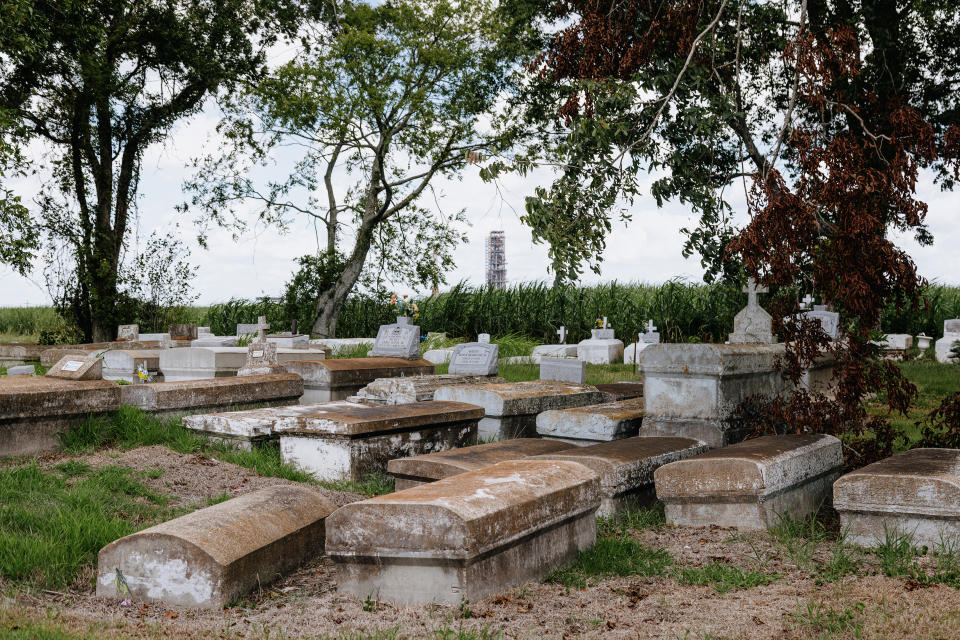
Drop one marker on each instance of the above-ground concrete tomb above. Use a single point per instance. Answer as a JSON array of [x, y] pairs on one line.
[[197, 363], [213, 394], [123, 364], [416, 388], [626, 467], [623, 390], [213, 556], [326, 380], [350, 440], [410, 472], [693, 390], [248, 427], [467, 536], [34, 410], [916, 492], [511, 409], [593, 423], [751, 485]]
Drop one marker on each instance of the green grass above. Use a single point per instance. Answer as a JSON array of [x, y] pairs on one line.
[[374, 484], [54, 522], [825, 621], [722, 577], [354, 351], [934, 382], [613, 556]]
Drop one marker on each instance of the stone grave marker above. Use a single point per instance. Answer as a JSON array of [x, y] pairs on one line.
[[122, 364], [414, 388], [752, 325], [563, 369], [77, 368], [474, 359], [261, 359], [648, 337], [590, 424], [951, 334], [483, 338], [602, 347], [829, 320], [400, 340], [128, 333], [22, 370], [183, 332]]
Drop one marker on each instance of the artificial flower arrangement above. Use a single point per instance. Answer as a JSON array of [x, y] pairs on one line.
[[142, 374], [404, 307]]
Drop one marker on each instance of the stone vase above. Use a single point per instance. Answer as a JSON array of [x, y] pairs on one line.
[[404, 319]]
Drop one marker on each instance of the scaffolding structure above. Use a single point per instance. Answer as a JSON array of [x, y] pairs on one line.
[[496, 260]]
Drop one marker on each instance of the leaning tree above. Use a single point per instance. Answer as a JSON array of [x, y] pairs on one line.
[[825, 113], [378, 105], [96, 82]]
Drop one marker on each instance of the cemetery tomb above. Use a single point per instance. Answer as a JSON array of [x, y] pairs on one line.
[[289, 340], [916, 492], [155, 337], [474, 359], [632, 353], [388, 391], [751, 485], [262, 358], [417, 470], [204, 331], [248, 427], [943, 346], [121, 364], [209, 340], [511, 409], [623, 390], [438, 356], [563, 370], [213, 556], [198, 363], [77, 368], [896, 345], [752, 324], [34, 410], [326, 380], [693, 390], [468, 536], [626, 467], [49, 355], [829, 320], [553, 351], [52, 356], [400, 340], [183, 332], [340, 345], [601, 348], [214, 394], [348, 440], [128, 333], [483, 338], [16, 353], [22, 370], [592, 423]]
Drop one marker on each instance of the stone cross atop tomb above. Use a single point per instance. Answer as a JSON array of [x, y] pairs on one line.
[[807, 302], [562, 332], [606, 325], [752, 325], [650, 328], [650, 334], [262, 327]]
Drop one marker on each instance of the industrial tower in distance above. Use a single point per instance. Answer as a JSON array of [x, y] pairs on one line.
[[496, 260]]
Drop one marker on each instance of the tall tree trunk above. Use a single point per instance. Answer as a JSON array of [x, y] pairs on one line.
[[330, 302]]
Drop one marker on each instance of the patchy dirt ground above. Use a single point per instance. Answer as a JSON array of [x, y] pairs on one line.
[[797, 604]]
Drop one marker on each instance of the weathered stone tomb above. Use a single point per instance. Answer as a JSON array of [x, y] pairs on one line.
[[467, 536], [214, 394], [213, 556], [591, 424], [389, 391], [511, 409], [122, 364], [326, 380], [350, 440], [916, 492], [751, 485], [417, 470], [248, 427]]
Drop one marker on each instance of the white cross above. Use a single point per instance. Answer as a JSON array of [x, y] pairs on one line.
[[752, 290], [562, 332], [650, 328], [262, 327], [807, 301], [606, 325]]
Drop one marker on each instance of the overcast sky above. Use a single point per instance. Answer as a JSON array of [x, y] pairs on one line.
[[648, 249]]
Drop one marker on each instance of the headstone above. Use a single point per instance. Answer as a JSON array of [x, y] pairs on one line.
[[22, 370], [693, 390], [289, 340], [806, 303], [248, 330], [829, 320], [590, 424], [563, 370], [183, 332], [465, 537], [753, 484], [484, 338], [399, 340], [77, 368], [511, 409], [261, 359], [626, 467], [896, 344], [128, 333], [562, 334], [203, 331], [553, 351], [213, 556], [338, 379], [155, 337], [752, 325], [430, 467], [915, 493], [951, 326], [346, 440], [438, 356], [474, 359]]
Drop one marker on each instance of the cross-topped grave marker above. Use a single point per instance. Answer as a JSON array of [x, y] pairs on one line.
[[562, 332], [606, 325], [753, 325], [262, 327], [650, 328], [806, 302]]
